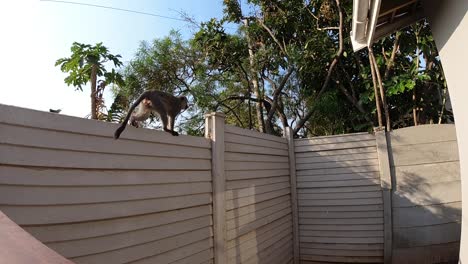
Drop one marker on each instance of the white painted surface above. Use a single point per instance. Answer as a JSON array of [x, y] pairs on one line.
[[449, 24]]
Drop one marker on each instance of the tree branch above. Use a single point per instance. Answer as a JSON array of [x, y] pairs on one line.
[[382, 90], [376, 91], [317, 19], [278, 91], [265, 103], [183, 82], [301, 122], [234, 113], [283, 49], [351, 97], [391, 61], [282, 115]]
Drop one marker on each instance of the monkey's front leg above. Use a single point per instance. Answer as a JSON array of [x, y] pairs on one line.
[[166, 125]]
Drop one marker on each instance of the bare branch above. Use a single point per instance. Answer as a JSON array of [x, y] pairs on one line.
[[265, 103], [187, 18], [283, 49]]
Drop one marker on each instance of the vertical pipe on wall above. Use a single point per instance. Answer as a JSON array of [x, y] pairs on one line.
[[214, 130], [386, 185], [292, 172]]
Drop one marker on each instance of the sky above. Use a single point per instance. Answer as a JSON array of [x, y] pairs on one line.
[[34, 34]]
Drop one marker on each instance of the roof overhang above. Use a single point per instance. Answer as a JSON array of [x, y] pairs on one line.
[[375, 19]]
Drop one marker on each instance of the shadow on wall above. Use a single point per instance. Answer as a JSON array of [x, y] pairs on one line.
[[341, 208], [426, 198]]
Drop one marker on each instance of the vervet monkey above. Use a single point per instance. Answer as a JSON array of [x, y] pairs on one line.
[[166, 105], [142, 113]]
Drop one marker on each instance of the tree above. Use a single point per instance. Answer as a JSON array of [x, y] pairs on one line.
[[86, 64], [167, 64], [290, 64], [412, 75]]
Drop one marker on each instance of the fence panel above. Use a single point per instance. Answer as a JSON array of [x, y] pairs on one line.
[[339, 199], [258, 202], [145, 198]]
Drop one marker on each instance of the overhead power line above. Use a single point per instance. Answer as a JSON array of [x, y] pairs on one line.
[[115, 8]]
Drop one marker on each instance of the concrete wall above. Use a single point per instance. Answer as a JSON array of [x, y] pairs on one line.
[[145, 198], [449, 23], [426, 196], [392, 198], [339, 199]]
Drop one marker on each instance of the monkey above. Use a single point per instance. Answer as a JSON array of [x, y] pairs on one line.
[[166, 105], [143, 112]]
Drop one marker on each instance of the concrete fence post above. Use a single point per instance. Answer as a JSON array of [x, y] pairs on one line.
[[214, 130], [386, 185], [292, 172]]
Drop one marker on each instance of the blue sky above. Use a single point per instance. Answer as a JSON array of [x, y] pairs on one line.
[[34, 34]]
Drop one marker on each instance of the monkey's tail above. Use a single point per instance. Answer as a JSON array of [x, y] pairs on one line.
[[134, 105]]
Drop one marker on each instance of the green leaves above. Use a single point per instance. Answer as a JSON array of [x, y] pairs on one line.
[[400, 87], [78, 65], [217, 68], [86, 64], [232, 10]]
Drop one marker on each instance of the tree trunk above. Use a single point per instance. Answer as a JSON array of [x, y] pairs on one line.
[[391, 61], [256, 88], [444, 101], [414, 98], [415, 110], [376, 91], [93, 91], [382, 90]]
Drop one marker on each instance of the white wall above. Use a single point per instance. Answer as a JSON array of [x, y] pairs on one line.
[[449, 23]]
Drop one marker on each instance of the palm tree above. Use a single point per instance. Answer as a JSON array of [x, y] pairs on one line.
[[85, 65]]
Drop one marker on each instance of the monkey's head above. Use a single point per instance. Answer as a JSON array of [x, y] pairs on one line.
[[183, 103]]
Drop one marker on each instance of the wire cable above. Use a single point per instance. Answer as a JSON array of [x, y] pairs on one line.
[[114, 8]]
